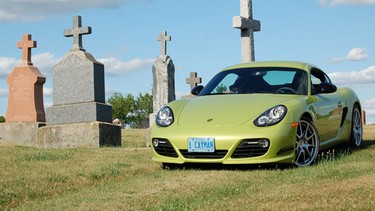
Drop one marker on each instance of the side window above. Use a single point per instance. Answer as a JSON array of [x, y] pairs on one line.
[[318, 77]]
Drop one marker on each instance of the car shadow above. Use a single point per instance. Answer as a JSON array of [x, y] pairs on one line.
[[333, 153]]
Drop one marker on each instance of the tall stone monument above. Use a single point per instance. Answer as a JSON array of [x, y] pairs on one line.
[[25, 102], [25, 113], [163, 78], [79, 98], [163, 74], [248, 26]]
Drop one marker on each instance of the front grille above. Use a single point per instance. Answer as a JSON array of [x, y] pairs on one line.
[[165, 148], [209, 155], [249, 148]]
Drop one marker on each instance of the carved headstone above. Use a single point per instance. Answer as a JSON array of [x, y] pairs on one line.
[[78, 84], [248, 26], [163, 75], [79, 115], [25, 101]]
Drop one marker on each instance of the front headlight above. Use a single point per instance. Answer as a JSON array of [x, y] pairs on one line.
[[164, 118], [271, 117]]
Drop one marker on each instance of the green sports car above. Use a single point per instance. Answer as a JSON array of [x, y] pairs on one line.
[[254, 113]]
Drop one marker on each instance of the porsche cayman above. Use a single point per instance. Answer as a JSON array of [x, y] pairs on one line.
[[254, 113]]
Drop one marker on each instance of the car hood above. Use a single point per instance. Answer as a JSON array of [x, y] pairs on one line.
[[223, 110]]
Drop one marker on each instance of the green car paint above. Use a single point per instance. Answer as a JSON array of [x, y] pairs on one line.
[[314, 121]]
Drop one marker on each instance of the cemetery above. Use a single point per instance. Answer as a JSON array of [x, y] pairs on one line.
[[76, 155]]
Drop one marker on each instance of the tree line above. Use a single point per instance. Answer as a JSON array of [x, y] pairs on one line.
[[132, 111]]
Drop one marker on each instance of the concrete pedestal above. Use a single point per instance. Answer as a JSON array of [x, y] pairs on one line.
[[87, 134], [20, 134]]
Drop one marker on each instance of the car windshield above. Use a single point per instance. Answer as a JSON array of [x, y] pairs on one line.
[[258, 80]]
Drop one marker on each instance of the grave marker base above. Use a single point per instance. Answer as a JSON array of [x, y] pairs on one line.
[[20, 133], [86, 134]]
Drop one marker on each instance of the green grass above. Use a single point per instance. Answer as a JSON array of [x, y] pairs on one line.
[[126, 179]]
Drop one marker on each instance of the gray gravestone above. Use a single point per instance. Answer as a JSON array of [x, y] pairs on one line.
[[78, 84], [194, 80], [248, 26], [163, 76]]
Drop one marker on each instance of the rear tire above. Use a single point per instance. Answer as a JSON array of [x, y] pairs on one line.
[[356, 133], [307, 143]]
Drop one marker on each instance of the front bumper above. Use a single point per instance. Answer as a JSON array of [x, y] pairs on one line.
[[228, 139]]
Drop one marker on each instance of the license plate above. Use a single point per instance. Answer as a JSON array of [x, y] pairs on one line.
[[201, 145]]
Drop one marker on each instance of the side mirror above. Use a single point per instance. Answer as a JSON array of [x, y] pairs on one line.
[[326, 88], [196, 90]]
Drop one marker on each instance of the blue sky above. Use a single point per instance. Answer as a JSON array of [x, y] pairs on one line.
[[336, 35]]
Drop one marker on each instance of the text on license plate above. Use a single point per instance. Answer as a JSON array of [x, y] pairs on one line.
[[201, 145]]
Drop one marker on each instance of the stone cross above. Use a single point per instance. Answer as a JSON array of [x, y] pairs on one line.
[[248, 26], [163, 38], [77, 33], [26, 44], [193, 80]]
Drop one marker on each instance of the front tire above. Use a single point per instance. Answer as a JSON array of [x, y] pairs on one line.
[[355, 140], [307, 143]]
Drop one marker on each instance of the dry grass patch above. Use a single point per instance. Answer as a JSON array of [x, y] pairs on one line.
[[369, 132], [125, 178], [132, 138]]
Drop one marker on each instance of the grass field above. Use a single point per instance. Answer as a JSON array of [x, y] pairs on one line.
[[126, 179]]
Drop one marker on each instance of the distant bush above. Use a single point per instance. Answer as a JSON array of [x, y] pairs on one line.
[[2, 119]]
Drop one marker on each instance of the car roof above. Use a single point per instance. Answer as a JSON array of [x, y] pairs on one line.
[[291, 64]]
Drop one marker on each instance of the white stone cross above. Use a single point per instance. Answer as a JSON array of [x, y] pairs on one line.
[[77, 33], [163, 38], [248, 26]]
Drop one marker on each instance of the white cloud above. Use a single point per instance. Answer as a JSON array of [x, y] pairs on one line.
[[47, 91], [32, 10], [7, 64], [333, 3], [44, 62], [366, 76], [369, 107], [3, 92], [370, 103], [355, 54], [115, 66]]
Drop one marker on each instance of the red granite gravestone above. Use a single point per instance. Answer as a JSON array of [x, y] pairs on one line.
[[25, 100]]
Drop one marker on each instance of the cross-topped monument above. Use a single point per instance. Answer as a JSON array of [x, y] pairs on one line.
[[77, 33], [26, 44], [248, 26], [163, 38], [194, 80]]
